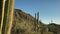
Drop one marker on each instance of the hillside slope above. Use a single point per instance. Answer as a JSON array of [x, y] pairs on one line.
[[23, 23]]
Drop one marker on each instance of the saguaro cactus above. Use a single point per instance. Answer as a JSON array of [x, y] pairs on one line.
[[37, 17], [2, 4], [35, 22], [8, 15]]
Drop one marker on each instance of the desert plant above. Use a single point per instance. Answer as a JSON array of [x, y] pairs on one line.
[[2, 4], [8, 15]]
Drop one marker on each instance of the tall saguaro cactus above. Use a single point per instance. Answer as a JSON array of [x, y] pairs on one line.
[[2, 4], [36, 22], [8, 15], [37, 17]]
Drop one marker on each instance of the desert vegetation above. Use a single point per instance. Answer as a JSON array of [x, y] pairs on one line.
[[22, 25], [15, 21]]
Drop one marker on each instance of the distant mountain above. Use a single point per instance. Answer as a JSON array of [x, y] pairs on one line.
[[54, 27]]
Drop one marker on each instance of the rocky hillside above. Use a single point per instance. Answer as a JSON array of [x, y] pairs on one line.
[[23, 23]]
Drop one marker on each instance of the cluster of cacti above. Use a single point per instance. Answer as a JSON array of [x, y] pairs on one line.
[[36, 21], [7, 15]]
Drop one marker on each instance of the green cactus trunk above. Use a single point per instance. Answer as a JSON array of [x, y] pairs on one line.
[[2, 4], [37, 17], [8, 15], [35, 23], [37, 20]]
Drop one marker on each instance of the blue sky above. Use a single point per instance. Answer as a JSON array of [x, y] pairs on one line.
[[48, 9]]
